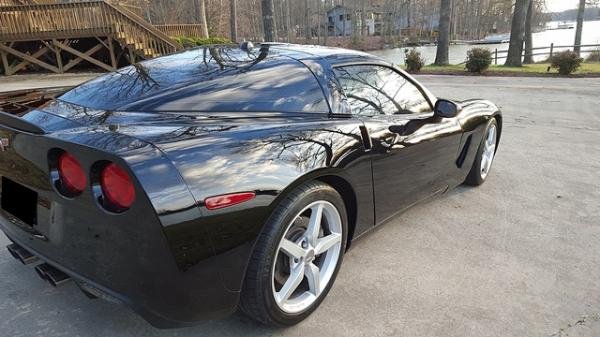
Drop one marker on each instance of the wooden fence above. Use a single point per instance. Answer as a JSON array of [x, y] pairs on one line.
[[549, 51]]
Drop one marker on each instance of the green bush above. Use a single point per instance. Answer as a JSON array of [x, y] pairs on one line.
[[478, 60], [593, 57], [567, 62], [189, 42], [413, 61]]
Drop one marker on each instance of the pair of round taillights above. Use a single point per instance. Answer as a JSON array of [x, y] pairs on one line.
[[117, 192]]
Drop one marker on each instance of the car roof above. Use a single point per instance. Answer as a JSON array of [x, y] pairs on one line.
[[204, 78], [332, 55]]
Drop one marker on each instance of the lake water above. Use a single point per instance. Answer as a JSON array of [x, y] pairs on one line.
[[458, 53]]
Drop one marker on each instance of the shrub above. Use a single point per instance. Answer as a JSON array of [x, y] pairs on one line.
[[593, 57], [478, 60], [189, 42], [413, 61], [567, 62], [356, 42]]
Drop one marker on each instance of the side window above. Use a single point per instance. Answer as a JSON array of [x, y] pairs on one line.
[[373, 90]]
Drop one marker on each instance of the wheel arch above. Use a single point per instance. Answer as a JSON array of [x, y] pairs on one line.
[[344, 188], [498, 117], [335, 179]]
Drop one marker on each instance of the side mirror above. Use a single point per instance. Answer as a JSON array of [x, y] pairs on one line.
[[446, 109]]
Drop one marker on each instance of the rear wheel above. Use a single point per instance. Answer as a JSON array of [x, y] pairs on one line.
[[485, 155], [297, 256]]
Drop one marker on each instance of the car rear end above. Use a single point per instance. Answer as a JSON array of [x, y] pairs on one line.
[[75, 208]]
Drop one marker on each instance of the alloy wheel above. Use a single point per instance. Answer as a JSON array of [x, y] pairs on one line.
[[489, 151], [306, 257]]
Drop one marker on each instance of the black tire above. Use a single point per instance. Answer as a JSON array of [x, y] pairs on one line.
[[474, 178], [257, 299]]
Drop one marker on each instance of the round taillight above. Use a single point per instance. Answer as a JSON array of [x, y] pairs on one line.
[[117, 187], [72, 176]]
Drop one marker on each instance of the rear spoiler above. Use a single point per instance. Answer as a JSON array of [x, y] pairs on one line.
[[20, 124]]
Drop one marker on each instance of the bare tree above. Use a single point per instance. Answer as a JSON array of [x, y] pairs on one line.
[[288, 21], [202, 18], [233, 20], [528, 59], [579, 29], [441, 57], [307, 30], [268, 15], [517, 34]]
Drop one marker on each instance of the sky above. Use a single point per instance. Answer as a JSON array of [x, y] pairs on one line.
[[561, 5]]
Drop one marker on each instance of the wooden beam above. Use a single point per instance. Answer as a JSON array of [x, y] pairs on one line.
[[59, 61], [29, 58], [105, 43], [84, 56], [111, 50], [5, 64], [78, 60], [22, 65]]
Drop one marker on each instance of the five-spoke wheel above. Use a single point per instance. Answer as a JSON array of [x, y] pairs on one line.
[[489, 151], [307, 256], [485, 155], [297, 256]]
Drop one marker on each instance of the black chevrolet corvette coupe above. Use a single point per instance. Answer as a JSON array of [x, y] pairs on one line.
[[222, 177]]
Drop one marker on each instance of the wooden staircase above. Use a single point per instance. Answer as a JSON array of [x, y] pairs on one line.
[[56, 36]]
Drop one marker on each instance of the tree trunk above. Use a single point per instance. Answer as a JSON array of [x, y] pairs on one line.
[[202, 19], [528, 59], [579, 29], [307, 30], [268, 10], [441, 57], [408, 13], [517, 34], [233, 20], [288, 21]]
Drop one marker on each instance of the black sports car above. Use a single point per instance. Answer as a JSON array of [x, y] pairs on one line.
[[223, 177]]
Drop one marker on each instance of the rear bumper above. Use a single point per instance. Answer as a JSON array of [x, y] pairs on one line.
[[166, 298]]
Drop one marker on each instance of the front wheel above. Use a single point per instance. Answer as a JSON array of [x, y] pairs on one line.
[[485, 155], [297, 256]]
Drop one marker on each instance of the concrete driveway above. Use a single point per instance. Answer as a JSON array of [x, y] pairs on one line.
[[518, 256]]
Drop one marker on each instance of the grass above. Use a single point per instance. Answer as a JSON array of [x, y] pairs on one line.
[[537, 69]]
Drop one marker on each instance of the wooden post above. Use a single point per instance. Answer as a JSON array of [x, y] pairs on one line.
[[551, 49], [57, 51], [5, 63], [111, 50], [496, 56]]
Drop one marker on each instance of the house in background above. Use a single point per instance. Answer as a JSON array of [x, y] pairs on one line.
[[344, 21], [340, 21]]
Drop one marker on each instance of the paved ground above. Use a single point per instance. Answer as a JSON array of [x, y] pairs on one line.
[[516, 257], [19, 82]]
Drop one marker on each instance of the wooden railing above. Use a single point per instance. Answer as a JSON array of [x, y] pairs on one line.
[[177, 30], [12, 2], [82, 19]]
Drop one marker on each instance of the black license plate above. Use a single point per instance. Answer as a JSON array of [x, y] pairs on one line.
[[19, 201]]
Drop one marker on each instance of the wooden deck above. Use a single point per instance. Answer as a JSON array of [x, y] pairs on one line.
[[60, 36]]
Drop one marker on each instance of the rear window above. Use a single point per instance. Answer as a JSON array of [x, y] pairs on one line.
[[206, 80]]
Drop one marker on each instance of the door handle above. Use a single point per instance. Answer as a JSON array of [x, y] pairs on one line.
[[388, 144]]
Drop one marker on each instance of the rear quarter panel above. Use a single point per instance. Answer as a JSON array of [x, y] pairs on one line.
[[269, 158]]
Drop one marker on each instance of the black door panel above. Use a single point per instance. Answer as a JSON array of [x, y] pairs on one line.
[[412, 165], [414, 152]]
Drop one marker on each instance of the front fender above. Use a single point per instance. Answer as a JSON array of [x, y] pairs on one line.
[[473, 118]]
